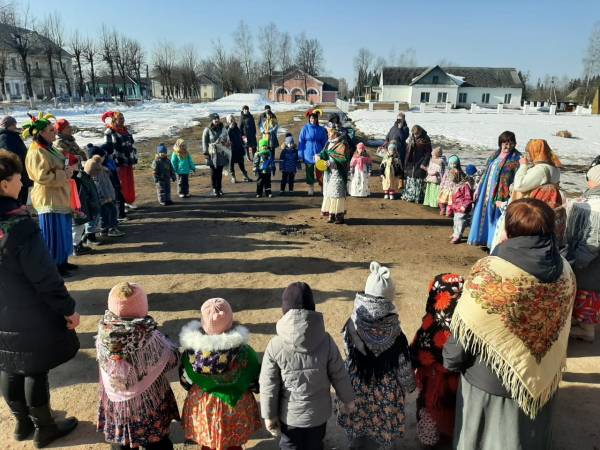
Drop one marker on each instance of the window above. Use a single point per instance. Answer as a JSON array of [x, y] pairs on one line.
[[462, 97], [17, 89], [436, 79], [8, 88], [13, 63], [311, 92], [424, 97], [507, 99], [37, 65], [57, 66], [442, 97], [485, 98]]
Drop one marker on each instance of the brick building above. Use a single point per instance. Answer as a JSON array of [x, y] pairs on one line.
[[296, 85]]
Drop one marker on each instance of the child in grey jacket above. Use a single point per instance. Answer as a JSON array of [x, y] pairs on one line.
[[299, 366]]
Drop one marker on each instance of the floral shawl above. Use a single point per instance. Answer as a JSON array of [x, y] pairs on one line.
[[519, 327], [336, 151], [508, 169]]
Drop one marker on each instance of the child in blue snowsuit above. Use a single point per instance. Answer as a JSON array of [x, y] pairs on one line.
[[288, 164]]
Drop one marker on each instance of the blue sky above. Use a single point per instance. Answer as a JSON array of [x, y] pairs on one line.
[[544, 37]]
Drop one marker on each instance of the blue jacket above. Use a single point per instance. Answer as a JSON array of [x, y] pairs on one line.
[[313, 139], [183, 166], [288, 160]]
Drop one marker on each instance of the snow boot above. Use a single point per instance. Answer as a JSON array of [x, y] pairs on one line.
[[47, 430], [24, 427]]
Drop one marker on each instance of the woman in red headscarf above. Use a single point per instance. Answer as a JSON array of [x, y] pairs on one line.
[[121, 142]]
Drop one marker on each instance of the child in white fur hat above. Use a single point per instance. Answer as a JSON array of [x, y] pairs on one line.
[[219, 370], [378, 361]]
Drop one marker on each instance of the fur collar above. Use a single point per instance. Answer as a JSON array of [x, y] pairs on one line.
[[192, 337]]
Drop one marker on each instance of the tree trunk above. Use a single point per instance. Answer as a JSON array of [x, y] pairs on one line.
[[52, 79], [81, 93], [113, 82], [93, 77], [27, 71]]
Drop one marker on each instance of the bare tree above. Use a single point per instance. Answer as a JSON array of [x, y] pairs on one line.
[[90, 53], [189, 69], [77, 45], [362, 65], [309, 57], [19, 39], [49, 48], [120, 55], [164, 65], [244, 50], [3, 64], [58, 37], [285, 55], [134, 60], [591, 61], [107, 53], [268, 39]]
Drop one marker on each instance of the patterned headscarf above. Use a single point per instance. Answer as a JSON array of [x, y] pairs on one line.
[[376, 322], [539, 151]]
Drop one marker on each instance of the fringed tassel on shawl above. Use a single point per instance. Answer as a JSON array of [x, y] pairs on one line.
[[509, 378]]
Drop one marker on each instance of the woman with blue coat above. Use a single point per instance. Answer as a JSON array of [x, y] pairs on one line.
[[313, 139]]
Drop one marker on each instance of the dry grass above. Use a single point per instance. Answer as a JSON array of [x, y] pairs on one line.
[[564, 134]]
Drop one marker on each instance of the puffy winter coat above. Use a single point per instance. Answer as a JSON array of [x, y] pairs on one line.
[[288, 160], [104, 186], [462, 199], [237, 145], [163, 170], [299, 366], [125, 153], [215, 138], [248, 128], [183, 165], [33, 332], [311, 142], [11, 141], [88, 195], [51, 191]]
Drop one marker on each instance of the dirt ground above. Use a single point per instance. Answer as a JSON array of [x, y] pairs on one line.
[[248, 250]]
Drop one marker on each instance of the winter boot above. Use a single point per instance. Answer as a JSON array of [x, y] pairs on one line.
[[90, 238], [24, 427], [339, 219], [164, 444], [331, 218], [80, 249], [48, 430]]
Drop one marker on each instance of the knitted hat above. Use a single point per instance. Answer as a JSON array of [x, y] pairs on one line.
[[94, 150], [470, 170], [60, 125], [379, 283], [267, 108], [213, 116], [8, 121], [297, 296], [217, 316], [128, 300], [263, 143], [161, 149], [289, 140], [594, 174]]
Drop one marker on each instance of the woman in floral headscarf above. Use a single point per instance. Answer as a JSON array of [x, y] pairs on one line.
[[51, 193], [121, 142], [335, 179]]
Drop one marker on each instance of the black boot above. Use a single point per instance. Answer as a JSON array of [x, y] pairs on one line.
[[164, 444], [81, 249], [331, 218], [90, 238], [47, 430], [339, 218], [24, 427]]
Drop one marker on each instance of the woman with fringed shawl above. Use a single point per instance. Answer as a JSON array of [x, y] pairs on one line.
[[510, 335], [335, 178]]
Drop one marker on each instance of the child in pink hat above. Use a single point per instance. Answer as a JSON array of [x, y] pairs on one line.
[[137, 404], [219, 371]]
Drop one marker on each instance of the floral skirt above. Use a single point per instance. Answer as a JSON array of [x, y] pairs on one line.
[[431, 195], [445, 196], [212, 423], [587, 307], [379, 413], [145, 428], [414, 190]]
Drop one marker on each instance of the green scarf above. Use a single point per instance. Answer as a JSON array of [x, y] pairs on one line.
[[228, 387]]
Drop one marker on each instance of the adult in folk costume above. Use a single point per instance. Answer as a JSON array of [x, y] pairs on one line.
[[583, 244], [510, 335], [121, 141], [215, 146], [311, 142], [540, 181], [51, 193], [38, 316], [10, 139], [418, 154], [248, 129], [268, 127], [399, 133], [335, 178], [494, 190]]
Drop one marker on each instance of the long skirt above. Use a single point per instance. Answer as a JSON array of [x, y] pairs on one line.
[[432, 192], [57, 232], [333, 205], [359, 184], [587, 307], [414, 190], [212, 423], [491, 422], [127, 183]]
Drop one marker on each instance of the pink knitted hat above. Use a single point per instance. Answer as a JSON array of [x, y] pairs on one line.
[[217, 316], [128, 300]]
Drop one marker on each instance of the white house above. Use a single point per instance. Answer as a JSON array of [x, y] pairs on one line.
[[460, 86]]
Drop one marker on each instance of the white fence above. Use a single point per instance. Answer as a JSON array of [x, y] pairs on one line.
[[342, 105]]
